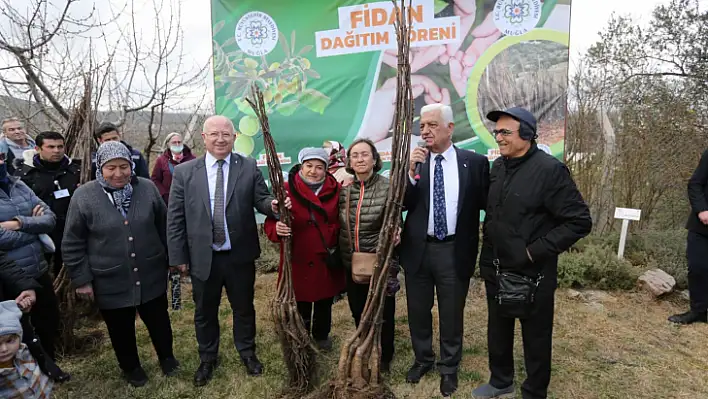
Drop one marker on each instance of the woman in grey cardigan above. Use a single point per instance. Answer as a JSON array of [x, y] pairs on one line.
[[114, 248]]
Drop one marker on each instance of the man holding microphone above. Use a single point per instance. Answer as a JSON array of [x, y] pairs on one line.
[[440, 240]]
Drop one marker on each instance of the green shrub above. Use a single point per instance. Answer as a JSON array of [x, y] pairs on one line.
[[596, 266], [665, 250], [593, 261], [270, 254]]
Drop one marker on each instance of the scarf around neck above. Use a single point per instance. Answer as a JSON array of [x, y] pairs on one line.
[[109, 151], [315, 187]]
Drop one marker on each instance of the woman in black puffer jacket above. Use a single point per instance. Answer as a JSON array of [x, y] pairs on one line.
[[361, 213]]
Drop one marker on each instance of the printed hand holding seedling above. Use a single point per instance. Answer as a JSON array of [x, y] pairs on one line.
[[461, 64], [383, 102]]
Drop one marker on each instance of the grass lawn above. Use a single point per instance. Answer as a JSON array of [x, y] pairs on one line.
[[624, 348]]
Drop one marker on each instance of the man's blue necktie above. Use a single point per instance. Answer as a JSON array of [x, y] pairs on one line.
[[439, 215]]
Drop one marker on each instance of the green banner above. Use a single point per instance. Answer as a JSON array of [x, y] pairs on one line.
[[327, 68]]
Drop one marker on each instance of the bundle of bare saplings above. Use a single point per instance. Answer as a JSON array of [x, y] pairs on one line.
[[79, 145], [298, 352], [358, 373]]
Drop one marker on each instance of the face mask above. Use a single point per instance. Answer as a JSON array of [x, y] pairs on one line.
[[177, 149]]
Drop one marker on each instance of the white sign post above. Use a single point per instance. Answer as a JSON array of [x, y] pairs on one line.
[[626, 214]]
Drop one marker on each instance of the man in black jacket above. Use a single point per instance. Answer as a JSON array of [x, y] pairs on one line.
[[697, 246], [107, 131], [439, 242], [53, 176], [16, 285], [534, 212]]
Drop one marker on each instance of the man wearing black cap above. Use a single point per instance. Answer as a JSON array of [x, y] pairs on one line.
[[534, 212], [107, 131]]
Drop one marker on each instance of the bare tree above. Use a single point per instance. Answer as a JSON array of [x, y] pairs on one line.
[[142, 73]]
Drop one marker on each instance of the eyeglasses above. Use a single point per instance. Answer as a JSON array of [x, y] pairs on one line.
[[218, 135], [503, 132]]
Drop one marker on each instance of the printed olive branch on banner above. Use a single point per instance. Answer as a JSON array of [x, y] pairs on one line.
[[283, 83]]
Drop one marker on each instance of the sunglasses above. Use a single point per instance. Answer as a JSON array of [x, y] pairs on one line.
[[503, 132]]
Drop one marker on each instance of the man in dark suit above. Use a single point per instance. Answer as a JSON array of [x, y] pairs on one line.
[[212, 233], [439, 242]]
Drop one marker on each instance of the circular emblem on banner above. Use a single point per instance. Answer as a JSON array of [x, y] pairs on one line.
[[517, 17], [256, 33]]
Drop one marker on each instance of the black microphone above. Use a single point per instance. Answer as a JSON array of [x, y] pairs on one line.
[[421, 144]]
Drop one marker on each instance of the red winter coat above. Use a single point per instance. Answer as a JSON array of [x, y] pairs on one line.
[[312, 279], [161, 174]]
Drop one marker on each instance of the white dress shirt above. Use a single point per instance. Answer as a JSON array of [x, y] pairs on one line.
[[211, 168], [451, 180]]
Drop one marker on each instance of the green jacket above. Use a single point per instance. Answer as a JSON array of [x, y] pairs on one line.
[[365, 213]]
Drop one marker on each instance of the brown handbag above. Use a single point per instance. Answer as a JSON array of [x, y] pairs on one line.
[[362, 262]]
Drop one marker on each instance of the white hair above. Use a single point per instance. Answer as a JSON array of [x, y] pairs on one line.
[[218, 117], [445, 111]]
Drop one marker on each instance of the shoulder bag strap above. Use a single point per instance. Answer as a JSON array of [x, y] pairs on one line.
[[346, 219]]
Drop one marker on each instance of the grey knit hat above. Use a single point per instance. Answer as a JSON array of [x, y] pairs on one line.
[[10, 315], [309, 153]]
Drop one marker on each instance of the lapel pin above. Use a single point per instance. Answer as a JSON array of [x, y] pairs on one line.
[[464, 165]]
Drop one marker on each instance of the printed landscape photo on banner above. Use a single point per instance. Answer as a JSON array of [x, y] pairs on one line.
[[328, 71]]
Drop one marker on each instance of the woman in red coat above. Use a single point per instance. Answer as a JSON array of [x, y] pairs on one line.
[[175, 153], [315, 195]]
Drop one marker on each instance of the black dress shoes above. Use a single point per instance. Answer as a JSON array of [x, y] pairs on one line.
[[253, 365], [689, 317], [204, 373], [448, 384], [136, 378], [417, 371], [169, 366]]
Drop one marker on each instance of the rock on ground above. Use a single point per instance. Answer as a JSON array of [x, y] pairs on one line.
[[656, 282]]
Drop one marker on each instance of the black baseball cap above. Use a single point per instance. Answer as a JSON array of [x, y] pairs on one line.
[[520, 114]]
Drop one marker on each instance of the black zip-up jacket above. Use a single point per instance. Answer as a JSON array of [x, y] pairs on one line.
[[533, 205], [698, 196], [41, 177]]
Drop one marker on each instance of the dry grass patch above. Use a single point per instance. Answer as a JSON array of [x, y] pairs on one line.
[[622, 349]]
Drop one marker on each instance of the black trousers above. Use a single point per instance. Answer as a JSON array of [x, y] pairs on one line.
[[537, 336], [239, 279], [697, 254], [317, 317], [55, 261], [45, 315], [437, 274], [121, 328], [356, 295]]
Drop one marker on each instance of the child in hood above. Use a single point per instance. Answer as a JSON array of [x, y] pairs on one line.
[[20, 375]]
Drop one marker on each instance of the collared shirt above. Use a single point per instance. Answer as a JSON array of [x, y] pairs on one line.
[[211, 168], [451, 179], [25, 380]]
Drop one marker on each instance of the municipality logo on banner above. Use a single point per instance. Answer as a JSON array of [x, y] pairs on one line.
[[369, 27], [517, 17], [256, 33]]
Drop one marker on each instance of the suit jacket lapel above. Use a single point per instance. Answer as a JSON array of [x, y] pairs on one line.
[[202, 183], [235, 169], [463, 172], [425, 185]]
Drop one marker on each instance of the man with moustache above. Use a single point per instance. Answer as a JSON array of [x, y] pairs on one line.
[[534, 212], [212, 234], [439, 242]]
